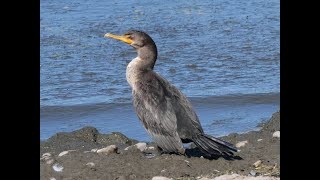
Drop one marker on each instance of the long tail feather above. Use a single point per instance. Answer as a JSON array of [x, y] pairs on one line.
[[214, 146]]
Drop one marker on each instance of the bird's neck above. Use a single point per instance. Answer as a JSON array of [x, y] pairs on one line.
[[141, 64], [148, 56]]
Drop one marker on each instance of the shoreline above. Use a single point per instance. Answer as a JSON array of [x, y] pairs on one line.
[[73, 156], [218, 117]]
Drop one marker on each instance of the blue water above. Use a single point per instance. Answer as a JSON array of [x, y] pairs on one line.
[[224, 55]]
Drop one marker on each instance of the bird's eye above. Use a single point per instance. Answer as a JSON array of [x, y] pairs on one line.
[[128, 36]]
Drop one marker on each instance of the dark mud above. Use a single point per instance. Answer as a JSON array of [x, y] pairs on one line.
[[134, 164]]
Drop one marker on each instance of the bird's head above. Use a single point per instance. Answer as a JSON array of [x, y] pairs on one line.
[[136, 39], [142, 42]]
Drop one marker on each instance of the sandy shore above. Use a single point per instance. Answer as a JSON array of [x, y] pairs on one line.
[[74, 156]]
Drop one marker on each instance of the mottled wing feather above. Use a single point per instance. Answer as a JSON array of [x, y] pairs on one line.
[[184, 110], [154, 108], [188, 124]]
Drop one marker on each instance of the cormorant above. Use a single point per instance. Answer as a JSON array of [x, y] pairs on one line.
[[165, 112]]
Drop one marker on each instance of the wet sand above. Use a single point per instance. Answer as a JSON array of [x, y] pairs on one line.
[[80, 161]]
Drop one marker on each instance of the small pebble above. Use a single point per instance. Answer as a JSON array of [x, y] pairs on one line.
[[259, 140], [151, 148], [216, 170], [48, 158], [57, 167], [141, 146], [257, 164], [90, 164], [94, 150], [276, 134], [46, 155], [107, 150], [253, 173], [63, 153], [241, 144], [52, 178], [160, 178], [149, 155]]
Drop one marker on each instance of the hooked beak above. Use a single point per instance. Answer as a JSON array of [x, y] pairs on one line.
[[122, 38]]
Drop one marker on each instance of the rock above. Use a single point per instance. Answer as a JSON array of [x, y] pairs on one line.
[[94, 150], [253, 173], [276, 134], [141, 146], [46, 156], [257, 164], [52, 178], [241, 144], [216, 170], [259, 140], [57, 167], [160, 178], [150, 148], [90, 164], [63, 153], [149, 155], [107, 150]]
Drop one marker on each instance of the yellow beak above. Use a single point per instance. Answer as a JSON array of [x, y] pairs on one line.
[[120, 38]]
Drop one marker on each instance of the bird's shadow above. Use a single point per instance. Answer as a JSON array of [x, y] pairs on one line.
[[193, 152], [196, 152]]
